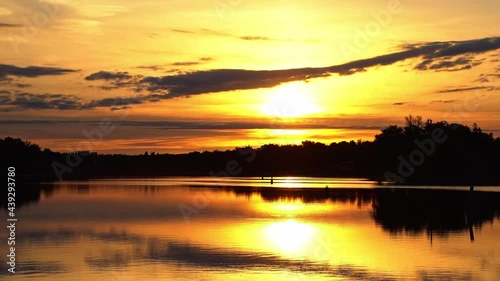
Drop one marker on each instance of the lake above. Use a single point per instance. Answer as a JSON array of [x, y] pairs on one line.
[[249, 229]]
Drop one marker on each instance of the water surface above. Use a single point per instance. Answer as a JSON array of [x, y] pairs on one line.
[[248, 229]]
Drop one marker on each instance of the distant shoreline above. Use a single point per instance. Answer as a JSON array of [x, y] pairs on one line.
[[279, 180], [441, 153]]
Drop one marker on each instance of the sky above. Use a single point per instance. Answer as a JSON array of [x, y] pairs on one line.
[[123, 76]]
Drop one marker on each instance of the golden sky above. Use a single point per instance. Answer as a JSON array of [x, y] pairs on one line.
[[176, 76]]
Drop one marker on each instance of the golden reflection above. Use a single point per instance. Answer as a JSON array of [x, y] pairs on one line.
[[288, 132], [290, 182], [289, 237], [285, 207], [293, 208], [338, 236]]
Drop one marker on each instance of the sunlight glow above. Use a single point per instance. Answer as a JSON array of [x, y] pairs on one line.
[[288, 182], [292, 208], [290, 237], [291, 100]]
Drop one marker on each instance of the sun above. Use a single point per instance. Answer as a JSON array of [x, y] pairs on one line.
[[291, 100]]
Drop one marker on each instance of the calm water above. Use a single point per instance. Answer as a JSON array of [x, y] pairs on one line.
[[244, 229]]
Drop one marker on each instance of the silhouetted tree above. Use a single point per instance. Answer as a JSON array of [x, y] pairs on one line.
[[466, 157]]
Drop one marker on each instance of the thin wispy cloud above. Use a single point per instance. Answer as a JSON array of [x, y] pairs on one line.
[[206, 31], [157, 67], [321, 123], [254, 38], [466, 89], [185, 63], [183, 31], [443, 101]]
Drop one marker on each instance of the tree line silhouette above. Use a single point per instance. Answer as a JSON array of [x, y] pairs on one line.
[[417, 153]]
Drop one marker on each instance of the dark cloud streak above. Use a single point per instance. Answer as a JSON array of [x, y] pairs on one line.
[[2, 24], [22, 101], [443, 101], [435, 57], [107, 75], [326, 123], [466, 89], [30, 71]]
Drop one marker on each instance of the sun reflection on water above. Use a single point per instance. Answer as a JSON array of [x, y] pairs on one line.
[[293, 208], [289, 237]]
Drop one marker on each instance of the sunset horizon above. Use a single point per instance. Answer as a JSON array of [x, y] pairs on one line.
[[240, 140], [243, 74]]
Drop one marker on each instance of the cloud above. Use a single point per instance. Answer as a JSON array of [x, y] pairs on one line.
[[443, 101], [487, 77], [115, 102], [254, 38], [106, 75], [185, 63], [50, 14], [152, 67], [447, 64], [157, 67], [2, 24], [220, 80], [22, 85], [5, 96], [441, 59], [22, 101], [207, 31], [433, 56], [30, 71], [399, 103], [182, 31], [465, 89], [125, 107], [320, 123]]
